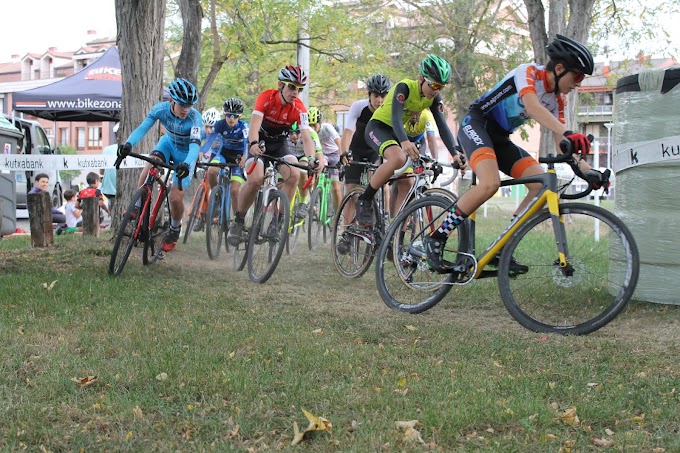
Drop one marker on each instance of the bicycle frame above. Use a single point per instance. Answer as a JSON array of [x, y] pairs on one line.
[[162, 189], [547, 195]]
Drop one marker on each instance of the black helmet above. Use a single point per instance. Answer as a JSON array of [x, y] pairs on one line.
[[378, 84], [575, 55], [233, 105], [182, 91]]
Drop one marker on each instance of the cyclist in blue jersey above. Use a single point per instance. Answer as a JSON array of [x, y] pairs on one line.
[[180, 145], [232, 135]]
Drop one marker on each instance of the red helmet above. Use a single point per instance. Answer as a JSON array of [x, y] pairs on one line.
[[293, 74]]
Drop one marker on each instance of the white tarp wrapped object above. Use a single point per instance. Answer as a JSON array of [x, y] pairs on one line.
[[646, 159]]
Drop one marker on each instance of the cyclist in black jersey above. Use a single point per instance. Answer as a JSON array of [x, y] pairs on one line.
[[353, 140]]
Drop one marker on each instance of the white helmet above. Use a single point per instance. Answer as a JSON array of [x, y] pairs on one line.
[[210, 116]]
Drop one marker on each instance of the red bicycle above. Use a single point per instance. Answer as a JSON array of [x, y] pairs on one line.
[[147, 218]]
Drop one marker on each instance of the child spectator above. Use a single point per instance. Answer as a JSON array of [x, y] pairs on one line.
[[42, 181], [92, 191], [74, 217]]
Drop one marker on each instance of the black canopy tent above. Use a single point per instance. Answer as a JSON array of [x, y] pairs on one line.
[[93, 94]]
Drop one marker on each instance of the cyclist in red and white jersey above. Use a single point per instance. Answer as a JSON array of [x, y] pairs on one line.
[[274, 114]]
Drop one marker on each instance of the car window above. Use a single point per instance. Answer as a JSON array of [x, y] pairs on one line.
[[41, 142]]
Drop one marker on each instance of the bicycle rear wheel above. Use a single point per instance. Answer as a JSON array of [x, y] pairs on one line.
[[268, 236], [315, 226], [604, 264], [405, 281], [214, 229], [355, 253], [152, 247], [194, 211], [128, 233]]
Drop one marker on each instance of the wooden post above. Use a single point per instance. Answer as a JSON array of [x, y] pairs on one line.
[[90, 216], [40, 218]]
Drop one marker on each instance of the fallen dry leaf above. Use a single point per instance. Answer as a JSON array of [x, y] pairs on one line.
[[162, 377], [49, 287], [638, 418], [317, 332], [602, 442], [569, 416], [85, 381], [138, 412], [315, 424], [609, 432], [412, 435], [410, 328], [407, 424]]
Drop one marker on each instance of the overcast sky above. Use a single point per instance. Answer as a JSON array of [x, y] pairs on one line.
[[36, 25]]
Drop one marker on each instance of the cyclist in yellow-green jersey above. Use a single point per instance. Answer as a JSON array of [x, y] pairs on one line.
[[386, 134]]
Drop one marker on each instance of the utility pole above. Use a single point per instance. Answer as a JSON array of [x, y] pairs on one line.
[[303, 57]]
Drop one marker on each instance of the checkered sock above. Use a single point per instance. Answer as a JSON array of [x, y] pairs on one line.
[[453, 219]]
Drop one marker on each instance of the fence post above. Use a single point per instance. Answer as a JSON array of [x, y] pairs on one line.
[[40, 218], [90, 216]]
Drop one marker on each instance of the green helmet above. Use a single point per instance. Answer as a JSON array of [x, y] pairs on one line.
[[294, 129], [436, 69]]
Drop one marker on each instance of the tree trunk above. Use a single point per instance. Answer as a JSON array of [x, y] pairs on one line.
[[140, 42], [189, 59], [580, 13]]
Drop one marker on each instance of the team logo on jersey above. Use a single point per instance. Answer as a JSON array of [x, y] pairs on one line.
[[195, 133], [401, 98]]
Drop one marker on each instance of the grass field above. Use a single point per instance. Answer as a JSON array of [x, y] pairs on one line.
[[191, 356]]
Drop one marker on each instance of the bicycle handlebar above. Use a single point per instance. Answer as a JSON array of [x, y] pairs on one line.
[[152, 161]]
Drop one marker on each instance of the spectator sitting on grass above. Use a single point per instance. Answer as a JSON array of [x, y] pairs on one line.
[[74, 217], [92, 191], [41, 183]]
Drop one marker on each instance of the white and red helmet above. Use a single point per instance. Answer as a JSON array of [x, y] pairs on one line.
[[293, 74]]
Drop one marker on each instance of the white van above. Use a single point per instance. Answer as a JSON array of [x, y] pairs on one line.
[[35, 142]]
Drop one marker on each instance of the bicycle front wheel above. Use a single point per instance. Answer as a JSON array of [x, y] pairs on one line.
[[268, 236], [296, 225], [240, 250], [602, 272], [214, 228], [128, 234], [194, 211], [352, 250], [152, 247], [405, 281]]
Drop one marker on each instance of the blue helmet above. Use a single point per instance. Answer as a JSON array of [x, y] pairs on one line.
[[182, 91]]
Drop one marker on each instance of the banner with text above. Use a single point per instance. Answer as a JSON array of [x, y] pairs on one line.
[[629, 155], [29, 162]]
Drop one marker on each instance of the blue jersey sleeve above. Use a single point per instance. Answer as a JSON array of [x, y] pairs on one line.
[[146, 125]]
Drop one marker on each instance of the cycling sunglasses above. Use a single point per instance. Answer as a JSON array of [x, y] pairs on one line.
[[578, 76], [232, 115], [434, 85], [292, 86], [184, 106]]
